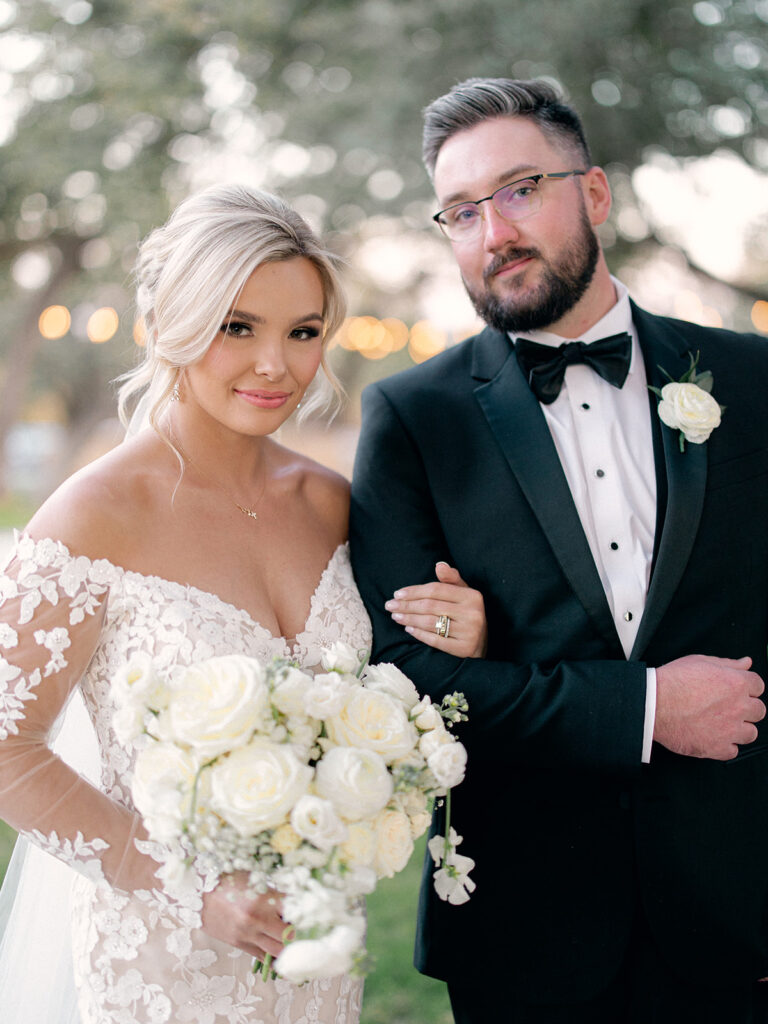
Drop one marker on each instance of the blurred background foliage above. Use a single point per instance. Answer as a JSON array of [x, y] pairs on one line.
[[112, 111]]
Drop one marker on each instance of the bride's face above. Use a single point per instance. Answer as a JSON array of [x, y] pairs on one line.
[[266, 353]]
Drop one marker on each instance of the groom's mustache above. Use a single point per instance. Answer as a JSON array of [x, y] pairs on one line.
[[508, 256]]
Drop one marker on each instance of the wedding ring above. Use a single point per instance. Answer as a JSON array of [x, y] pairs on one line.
[[443, 626]]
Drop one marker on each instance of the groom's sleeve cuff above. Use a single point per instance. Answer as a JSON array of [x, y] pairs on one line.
[[650, 713]]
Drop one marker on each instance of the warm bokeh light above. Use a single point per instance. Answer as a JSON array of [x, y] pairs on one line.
[[426, 341], [760, 315], [140, 333], [54, 322], [102, 325], [688, 306], [372, 338]]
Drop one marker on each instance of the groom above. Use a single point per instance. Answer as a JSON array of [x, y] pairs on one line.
[[616, 799]]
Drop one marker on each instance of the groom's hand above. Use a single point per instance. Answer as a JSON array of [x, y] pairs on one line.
[[706, 707]]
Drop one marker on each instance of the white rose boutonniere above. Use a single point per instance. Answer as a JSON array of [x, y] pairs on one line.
[[688, 406]]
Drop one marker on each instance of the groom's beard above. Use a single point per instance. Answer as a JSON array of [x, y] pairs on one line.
[[561, 286]]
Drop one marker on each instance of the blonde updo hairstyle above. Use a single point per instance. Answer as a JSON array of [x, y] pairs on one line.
[[189, 274]]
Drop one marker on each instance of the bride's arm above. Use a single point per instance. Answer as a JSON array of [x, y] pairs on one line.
[[419, 610], [52, 608]]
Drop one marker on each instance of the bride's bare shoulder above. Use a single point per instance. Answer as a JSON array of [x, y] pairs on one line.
[[101, 506], [324, 491]]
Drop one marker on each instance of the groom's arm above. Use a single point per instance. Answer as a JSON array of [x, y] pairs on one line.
[[586, 713]]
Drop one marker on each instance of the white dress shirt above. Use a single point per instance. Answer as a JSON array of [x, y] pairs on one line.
[[603, 438]]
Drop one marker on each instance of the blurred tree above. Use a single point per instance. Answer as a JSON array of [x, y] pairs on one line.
[[113, 110]]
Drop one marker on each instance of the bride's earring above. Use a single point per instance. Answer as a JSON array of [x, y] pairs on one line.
[[175, 393]]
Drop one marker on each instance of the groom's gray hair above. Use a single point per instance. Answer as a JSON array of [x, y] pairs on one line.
[[478, 99]]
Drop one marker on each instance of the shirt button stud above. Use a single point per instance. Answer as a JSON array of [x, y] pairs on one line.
[[614, 546], [627, 616], [600, 472]]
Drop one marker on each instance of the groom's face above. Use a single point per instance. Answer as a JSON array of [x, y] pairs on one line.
[[526, 274]]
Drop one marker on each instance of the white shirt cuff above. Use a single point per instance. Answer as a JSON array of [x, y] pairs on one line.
[[650, 713]]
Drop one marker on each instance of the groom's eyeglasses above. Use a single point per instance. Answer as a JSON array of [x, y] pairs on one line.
[[515, 201]]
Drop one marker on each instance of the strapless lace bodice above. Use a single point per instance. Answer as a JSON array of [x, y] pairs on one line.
[[67, 621]]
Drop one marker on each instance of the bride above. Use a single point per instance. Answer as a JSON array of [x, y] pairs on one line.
[[198, 536]]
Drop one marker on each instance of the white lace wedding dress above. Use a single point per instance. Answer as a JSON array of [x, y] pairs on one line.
[[137, 956]]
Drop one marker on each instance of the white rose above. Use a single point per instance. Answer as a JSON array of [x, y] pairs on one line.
[[128, 724], [162, 786], [333, 954], [389, 679], [689, 408], [216, 705], [425, 715], [430, 741], [256, 787], [360, 845], [356, 782], [316, 820], [289, 693], [394, 843], [138, 684], [375, 721], [448, 764], [340, 657], [327, 695]]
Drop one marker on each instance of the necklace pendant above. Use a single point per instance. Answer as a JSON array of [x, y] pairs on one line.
[[247, 511]]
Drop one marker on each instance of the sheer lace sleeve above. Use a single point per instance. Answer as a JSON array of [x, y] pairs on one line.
[[52, 608]]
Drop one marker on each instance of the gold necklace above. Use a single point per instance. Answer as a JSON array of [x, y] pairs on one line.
[[250, 512]]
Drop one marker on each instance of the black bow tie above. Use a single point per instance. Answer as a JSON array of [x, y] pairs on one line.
[[544, 366]]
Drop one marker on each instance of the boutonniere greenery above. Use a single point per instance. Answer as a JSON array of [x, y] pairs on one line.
[[687, 404]]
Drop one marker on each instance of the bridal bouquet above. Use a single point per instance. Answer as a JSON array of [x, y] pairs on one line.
[[315, 785]]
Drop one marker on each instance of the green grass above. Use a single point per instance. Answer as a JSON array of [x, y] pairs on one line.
[[395, 993], [15, 511], [7, 839]]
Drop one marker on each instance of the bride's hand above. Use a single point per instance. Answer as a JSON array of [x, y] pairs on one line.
[[423, 611], [252, 924]]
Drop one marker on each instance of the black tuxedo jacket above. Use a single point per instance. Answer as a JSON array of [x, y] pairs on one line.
[[569, 831]]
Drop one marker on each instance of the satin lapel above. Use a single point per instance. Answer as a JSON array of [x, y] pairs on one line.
[[686, 477], [518, 424]]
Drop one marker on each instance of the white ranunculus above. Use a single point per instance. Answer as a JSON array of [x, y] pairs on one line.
[[290, 692], [394, 843], [327, 695], [425, 715], [359, 848], [327, 957], [389, 679], [356, 781], [340, 657], [432, 740], [420, 823], [375, 721], [689, 408], [256, 787], [216, 705], [316, 820], [285, 839], [138, 684], [448, 764], [162, 786]]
